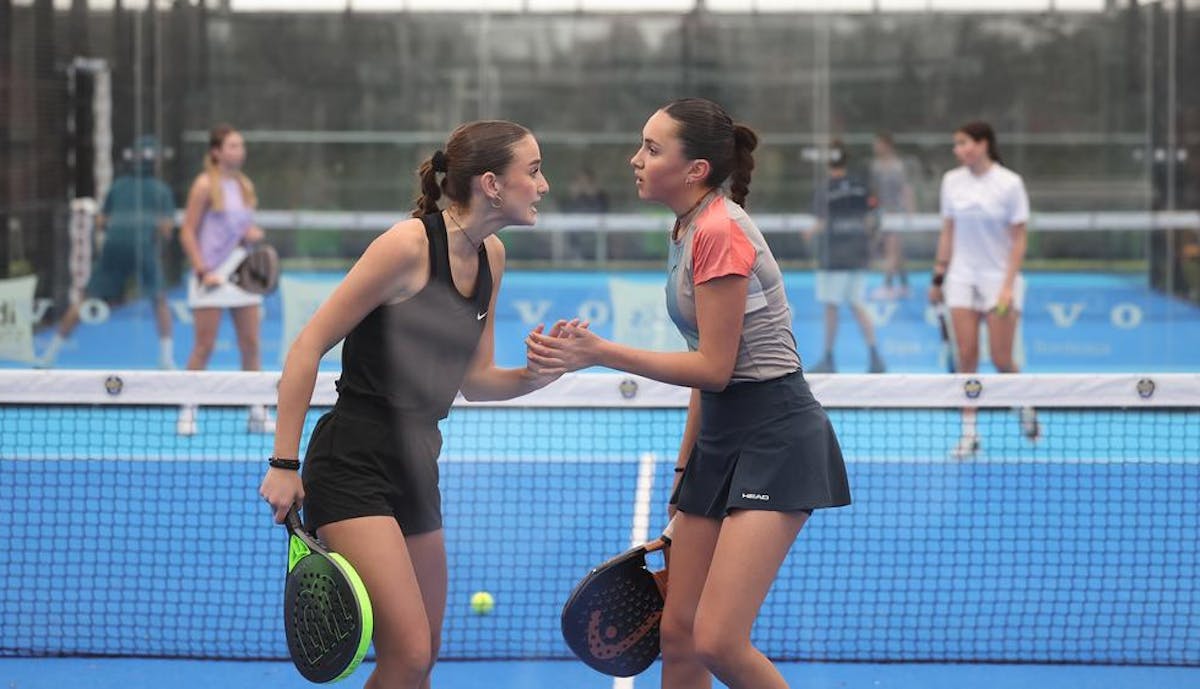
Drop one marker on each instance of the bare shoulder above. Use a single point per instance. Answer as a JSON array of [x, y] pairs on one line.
[[495, 253], [202, 184], [402, 244], [495, 249]]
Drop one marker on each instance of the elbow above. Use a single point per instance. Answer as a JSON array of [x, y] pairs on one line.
[[303, 352], [473, 390], [717, 381], [715, 371]]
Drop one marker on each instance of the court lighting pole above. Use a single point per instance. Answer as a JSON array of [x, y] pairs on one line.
[[6, 35]]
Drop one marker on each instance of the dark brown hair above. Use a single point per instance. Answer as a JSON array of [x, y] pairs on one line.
[[979, 130], [472, 149], [709, 133]]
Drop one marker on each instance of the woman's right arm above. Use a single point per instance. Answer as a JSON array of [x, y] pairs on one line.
[[196, 201], [392, 267], [945, 245], [691, 430], [941, 260]]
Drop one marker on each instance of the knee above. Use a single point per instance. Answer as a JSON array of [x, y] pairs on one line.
[[717, 647], [203, 348], [248, 341], [403, 666], [968, 360], [675, 637]]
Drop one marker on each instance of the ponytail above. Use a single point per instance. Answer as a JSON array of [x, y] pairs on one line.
[[427, 199], [744, 143], [993, 153], [709, 133], [216, 195], [473, 149]]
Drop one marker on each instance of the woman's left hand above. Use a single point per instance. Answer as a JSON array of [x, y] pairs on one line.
[[570, 346], [1003, 301]]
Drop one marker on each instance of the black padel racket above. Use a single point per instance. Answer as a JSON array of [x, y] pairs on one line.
[[326, 610], [611, 619]]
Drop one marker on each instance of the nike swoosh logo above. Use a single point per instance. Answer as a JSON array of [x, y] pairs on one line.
[[480, 316], [606, 650]]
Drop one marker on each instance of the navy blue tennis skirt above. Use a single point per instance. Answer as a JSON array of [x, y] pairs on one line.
[[763, 446]]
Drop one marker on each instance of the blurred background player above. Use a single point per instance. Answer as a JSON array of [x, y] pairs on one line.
[[890, 187], [845, 226], [977, 270], [138, 212], [220, 218]]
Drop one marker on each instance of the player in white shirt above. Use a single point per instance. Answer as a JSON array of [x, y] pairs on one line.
[[977, 271]]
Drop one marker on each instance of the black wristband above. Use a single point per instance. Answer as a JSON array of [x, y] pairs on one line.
[[938, 279], [281, 463], [679, 470]]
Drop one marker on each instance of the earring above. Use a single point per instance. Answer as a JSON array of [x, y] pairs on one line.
[[497, 202], [689, 182]]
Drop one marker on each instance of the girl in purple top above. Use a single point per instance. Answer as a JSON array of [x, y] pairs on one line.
[[220, 219]]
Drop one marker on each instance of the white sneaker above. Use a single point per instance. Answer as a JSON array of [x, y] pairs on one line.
[[186, 424], [167, 364], [967, 447], [1030, 427], [260, 420]]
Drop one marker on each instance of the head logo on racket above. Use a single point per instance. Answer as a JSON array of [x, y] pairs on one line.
[[611, 619]]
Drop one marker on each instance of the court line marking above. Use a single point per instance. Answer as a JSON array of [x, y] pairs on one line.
[[640, 532]]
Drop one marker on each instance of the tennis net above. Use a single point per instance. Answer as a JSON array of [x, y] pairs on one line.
[[125, 538]]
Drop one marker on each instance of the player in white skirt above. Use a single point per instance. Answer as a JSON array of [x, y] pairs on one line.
[[977, 271], [217, 225]]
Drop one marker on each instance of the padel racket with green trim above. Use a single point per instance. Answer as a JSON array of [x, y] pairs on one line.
[[326, 610]]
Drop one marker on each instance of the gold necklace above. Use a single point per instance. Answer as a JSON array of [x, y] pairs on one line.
[[462, 229]]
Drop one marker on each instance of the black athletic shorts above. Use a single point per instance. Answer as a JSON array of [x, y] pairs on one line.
[[763, 446], [366, 459]]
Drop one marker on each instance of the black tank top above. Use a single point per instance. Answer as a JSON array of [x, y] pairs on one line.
[[412, 356]]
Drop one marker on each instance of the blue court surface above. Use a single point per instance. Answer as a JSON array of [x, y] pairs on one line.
[[95, 673], [1073, 322], [1069, 563]]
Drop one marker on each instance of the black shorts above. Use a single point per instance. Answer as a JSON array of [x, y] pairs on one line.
[[365, 459], [763, 446]]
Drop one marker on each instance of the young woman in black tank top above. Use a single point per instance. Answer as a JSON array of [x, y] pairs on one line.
[[416, 315]]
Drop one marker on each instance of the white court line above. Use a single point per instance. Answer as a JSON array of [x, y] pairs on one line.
[[640, 532]]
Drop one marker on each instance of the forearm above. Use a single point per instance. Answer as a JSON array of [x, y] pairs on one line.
[[686, 369], [191, 248], [1015, 258], [945, 247], [295, 394], [501, 384]]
